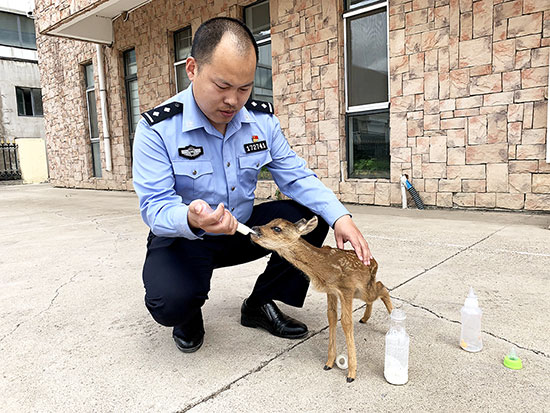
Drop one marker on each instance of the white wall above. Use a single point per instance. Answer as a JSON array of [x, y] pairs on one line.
[[17, 6], [12, 74]]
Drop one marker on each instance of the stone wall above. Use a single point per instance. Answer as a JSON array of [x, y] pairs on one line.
[[468, 94], [468, 101]]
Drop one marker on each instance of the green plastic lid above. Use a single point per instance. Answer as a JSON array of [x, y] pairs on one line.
[[512, 361]]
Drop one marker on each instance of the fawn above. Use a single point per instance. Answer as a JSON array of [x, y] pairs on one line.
[[336, 272]]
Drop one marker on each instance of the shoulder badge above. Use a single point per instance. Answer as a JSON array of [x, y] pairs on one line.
[[259, 105], [160, 113]]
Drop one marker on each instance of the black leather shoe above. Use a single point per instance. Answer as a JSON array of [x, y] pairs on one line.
[[270, 318], [189, 345]]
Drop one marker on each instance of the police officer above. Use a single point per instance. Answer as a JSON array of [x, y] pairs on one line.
[[196, 163]]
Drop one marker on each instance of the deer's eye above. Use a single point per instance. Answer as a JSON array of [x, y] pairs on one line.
[[276, 229]]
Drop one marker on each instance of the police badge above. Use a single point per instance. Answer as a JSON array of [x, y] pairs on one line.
[[190, 151]]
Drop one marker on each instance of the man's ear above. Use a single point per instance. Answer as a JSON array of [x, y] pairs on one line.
[[191, 68], [305, 227]]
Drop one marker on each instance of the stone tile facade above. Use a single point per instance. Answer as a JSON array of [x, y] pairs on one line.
[[468, 115], [468, 85]]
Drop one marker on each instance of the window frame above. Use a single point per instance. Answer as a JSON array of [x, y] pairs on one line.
[[364, 7], [261, 40], [88, 90], [352, 13], [32, 91], [178, 63], [19, 33], [129, 78]]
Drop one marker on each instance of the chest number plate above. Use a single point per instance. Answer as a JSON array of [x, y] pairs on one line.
[[255, 146]]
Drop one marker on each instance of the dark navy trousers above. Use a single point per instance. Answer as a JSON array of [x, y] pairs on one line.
[[177, 271]]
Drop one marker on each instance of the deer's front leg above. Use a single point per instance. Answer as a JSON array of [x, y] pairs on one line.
[[347, 325], [332, 314]]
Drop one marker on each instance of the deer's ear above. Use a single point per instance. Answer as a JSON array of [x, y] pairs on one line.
[[305, 227]]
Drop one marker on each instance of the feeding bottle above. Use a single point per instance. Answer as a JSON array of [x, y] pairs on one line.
[[396, 362], [470, 333]]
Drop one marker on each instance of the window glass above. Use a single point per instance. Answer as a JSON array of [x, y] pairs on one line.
[[257, 19], [91, 105], [182, 47], [183, 41], [89, 76], [29, 101], [132, 95], [37, 102], [92, 113], [369, 145], [263, 80], [9, 32], [17, 30], [96, 159], [130, 64], [28, 36], [367, 58], [20, 101]]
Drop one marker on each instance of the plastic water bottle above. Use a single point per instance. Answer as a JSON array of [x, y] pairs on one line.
[[470, 333], [396, 362]]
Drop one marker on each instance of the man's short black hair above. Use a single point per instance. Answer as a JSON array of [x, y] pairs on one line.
[[210, 33]]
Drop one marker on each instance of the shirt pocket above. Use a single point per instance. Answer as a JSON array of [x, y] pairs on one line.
[[194, 180], [249, 169]]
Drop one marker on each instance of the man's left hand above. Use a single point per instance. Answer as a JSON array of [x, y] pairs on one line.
[[345, 230]]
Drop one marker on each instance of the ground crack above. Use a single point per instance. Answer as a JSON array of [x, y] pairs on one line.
[[537, 352], [56, 294], [446, 259], [255, 370]]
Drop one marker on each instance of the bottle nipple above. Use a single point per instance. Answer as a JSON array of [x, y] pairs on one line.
[[512, 361], [471, 299]]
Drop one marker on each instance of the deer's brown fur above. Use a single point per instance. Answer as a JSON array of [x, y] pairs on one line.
[[338, 273]]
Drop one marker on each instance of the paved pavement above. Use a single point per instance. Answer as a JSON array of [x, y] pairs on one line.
[[76, 337]]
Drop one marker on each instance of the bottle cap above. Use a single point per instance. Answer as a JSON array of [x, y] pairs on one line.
[[512, 361], [398, 314], [471, 300]]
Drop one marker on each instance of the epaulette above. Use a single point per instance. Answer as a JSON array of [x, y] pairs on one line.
[[160, 113], [259, 105]]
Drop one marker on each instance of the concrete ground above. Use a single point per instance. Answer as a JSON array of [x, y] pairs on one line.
[[76, 337]]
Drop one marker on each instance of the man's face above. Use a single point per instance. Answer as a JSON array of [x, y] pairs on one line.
[[222, 86]]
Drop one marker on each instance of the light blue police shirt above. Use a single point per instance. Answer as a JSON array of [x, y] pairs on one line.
[[183, 157]]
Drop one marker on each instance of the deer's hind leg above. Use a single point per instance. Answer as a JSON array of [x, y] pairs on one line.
[[368, 311], [384, 295], [332, 314]]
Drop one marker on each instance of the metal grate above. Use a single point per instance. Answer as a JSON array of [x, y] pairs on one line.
[[9, 163]]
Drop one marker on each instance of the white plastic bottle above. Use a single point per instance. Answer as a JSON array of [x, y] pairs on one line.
[[396, 361], [470, 333]]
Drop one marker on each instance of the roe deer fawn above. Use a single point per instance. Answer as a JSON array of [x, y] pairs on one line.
[[336, 272]]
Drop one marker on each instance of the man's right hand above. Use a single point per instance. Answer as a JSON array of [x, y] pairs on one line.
[[220, 221]]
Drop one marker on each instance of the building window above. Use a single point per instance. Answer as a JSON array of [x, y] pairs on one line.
[[367, 97], [256, 17], [17, 31], [182, 47], [132, 97], [92, 119], [29, 101]]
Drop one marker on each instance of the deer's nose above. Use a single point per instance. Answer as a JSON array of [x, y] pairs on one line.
[[256, 231]]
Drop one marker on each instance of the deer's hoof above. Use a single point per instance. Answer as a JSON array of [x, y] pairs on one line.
[[349, 379], [362, 322], [327, 367]]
